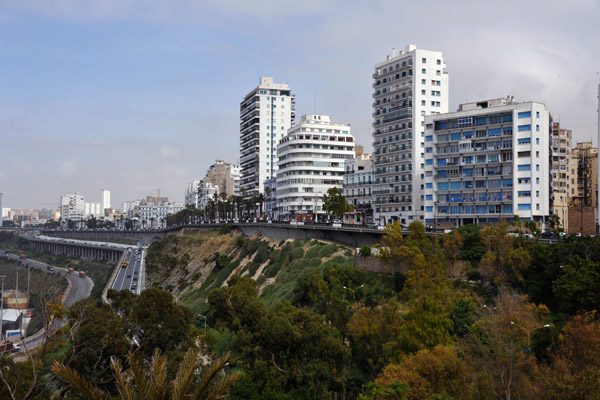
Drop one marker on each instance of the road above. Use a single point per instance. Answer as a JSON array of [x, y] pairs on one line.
[[80, 289], [130, 277]]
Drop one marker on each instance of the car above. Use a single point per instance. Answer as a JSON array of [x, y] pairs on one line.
[[547, 235], [135, 278], [135, 272], [50, 268], [129, 276]]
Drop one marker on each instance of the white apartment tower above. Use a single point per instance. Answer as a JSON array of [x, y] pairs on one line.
[[105, 199], [406, 87], [311, 161], [72, 207], [561, 177], [266, 113]]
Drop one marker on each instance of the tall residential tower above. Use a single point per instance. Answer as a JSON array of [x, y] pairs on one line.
[[406, 87], [266, 113]]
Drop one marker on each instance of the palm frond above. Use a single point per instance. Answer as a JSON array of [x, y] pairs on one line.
[[124, 386], [185, 375], [159, 388], [137, 372], [209, 376], [219, 391], [79, 383]]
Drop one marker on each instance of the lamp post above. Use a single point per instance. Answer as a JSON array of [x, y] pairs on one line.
[[203, 316], [353, 290]]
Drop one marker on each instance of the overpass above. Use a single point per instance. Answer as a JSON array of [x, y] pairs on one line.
[[346, 234], [83, 250]]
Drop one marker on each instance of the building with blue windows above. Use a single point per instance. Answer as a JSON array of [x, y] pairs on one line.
[[488, 162]]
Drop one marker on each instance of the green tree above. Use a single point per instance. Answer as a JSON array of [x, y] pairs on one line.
[[577, 288], [335, 203]]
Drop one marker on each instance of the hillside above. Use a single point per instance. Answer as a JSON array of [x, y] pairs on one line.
[[191, 263]]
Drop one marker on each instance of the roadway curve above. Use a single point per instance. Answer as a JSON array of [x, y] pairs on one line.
[[79, 288]]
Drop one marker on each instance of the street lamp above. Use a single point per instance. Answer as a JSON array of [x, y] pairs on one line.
[[350, 289], [203, 316]]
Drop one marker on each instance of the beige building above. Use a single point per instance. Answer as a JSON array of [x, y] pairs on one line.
[[561, 176], [583, 189]]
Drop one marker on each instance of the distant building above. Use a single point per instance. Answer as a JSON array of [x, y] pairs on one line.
[[232, 180], [105, 199], [584, 190], [488, 162], [94, 209], [1, 210], [157, 199], [311, 161], [129, 207], [72, 207], [266, 114], [358, 181], [207, 192], [154, 215], [561, 171], [270, 191], [191, 193], [47, 213]]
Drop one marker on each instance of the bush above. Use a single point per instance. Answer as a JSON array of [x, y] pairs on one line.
[[474, 275], [364, 251]]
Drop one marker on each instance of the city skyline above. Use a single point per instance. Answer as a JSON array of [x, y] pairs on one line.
[[127, 96]]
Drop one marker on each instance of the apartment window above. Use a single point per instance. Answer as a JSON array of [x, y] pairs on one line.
[[423, 71], [537, 181], [537, 154], [423, 102], [537, 128], [525, 114], [424, 60], [423, 82], [537, 193], [537, 167], [524, 167], [537, 141], [537, 114], [537, 207], [423, 92], [522, 128]]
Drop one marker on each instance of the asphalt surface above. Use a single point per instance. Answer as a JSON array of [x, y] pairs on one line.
[[80, 289], [130, 277]]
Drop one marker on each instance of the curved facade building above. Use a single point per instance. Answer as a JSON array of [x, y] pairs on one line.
[[311, 160]]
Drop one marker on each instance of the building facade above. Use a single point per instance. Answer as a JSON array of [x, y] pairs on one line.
[[105, 199], [584, 189], [72, 207], [561, 171], [266, 114], [311, 160], [406, 88], [487, 162], [232, 180], [154, 215], [1, 210], [93, 209], [270, 189], [191, 193], [206, 192], [358, 182]]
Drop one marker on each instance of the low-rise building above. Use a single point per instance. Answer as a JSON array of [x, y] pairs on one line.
[[584, 189], [358, 181], [154, 215]]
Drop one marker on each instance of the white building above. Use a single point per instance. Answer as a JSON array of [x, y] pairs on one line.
[[93, 209], [358, 182], [72, 207], [561, 177], [311, 160], [232, 180], [206, 192], [406, 87], [1, 210], [154, 215], [105, 198], [191, 193], [266, 113], [129, 207], [487, 162]]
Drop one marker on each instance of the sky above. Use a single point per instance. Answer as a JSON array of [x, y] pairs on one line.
[[139, 95]]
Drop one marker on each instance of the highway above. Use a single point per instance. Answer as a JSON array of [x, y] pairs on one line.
[[80, 289], [130, 277]]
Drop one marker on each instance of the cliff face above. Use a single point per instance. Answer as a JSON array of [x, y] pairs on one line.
[[191, 263]]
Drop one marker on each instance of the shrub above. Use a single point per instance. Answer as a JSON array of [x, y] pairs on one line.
[[364, 251]]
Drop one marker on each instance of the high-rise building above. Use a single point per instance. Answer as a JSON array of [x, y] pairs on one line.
[[406, 87], [1, 213], [232, 180], [191, 193], [311, 161], [93, 209], [266, 113], [561, 176], [488, 162], [72, 207], [105, 198]]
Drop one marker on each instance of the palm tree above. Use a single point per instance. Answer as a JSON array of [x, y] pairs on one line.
[[254, 200], [137, 383], [268, 192], [261, 199]]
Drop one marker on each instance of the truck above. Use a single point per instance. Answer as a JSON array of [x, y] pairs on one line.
[[9, 347], [22, 256], [71, 270], [82, 274]]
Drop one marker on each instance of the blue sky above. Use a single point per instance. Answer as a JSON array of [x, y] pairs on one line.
[[135, 95]]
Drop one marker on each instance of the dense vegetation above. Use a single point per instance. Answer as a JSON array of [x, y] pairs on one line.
[[518, 321]]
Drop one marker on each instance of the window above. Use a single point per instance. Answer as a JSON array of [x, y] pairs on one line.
[[423, 92], [537, 193], [423, 102], [525, 114], [524, 140], [537, 181], [423, 82], [423, 71], [537, 128], [537, 114], [429, 186], [522, 128], [525, 206], [524, 167], [537, 167], [424, 60], [537, 140]]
